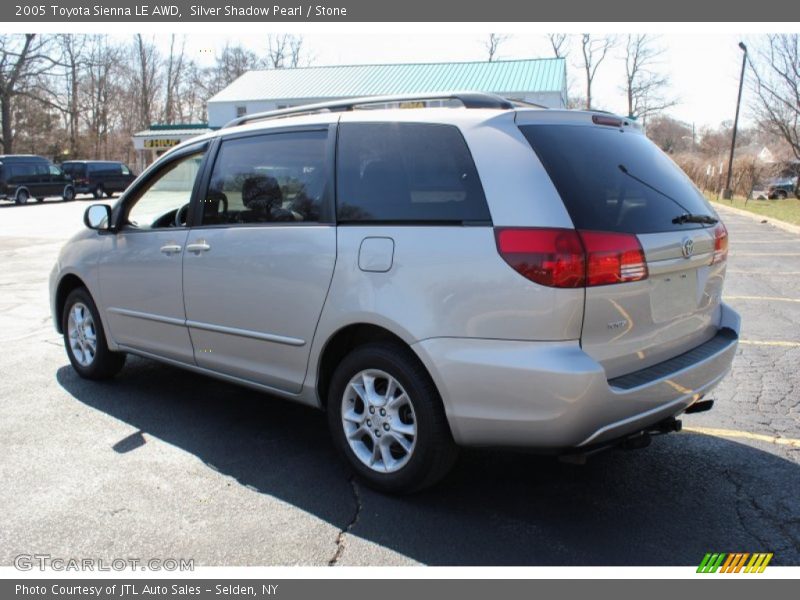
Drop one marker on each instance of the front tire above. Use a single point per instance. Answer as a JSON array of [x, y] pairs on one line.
[[85, 340], [98, 191], [21, 197], [387, 419], [69, 194]]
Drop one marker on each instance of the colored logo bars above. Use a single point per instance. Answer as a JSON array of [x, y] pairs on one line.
[[735, 562]]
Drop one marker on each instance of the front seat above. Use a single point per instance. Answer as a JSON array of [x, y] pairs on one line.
[[262, 198]]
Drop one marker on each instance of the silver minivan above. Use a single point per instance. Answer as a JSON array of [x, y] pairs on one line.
[[474, 274]]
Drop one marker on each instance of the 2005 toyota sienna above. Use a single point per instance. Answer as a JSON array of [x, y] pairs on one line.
[[480, 273]]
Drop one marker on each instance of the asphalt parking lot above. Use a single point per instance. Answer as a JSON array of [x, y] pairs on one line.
[[168, 464]]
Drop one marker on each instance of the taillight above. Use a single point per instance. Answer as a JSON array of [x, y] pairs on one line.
[[566, 258], [551, 257], [613, 258], [720, 244]]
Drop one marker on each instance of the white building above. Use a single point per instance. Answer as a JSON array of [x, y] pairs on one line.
[[540, 81]]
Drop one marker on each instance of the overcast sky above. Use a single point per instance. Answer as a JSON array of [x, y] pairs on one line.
[[704, 69]]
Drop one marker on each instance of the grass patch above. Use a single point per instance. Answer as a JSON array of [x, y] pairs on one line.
[[787, 210]]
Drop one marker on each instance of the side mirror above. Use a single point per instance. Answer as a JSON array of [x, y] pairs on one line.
[[98, 216]]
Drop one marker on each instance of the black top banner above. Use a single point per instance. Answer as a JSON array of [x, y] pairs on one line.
[[779, 11]]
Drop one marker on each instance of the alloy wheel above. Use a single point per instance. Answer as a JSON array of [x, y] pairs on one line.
[[82, 334], [379, 422]]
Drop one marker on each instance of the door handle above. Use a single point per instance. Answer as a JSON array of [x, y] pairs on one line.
[[198, 247], [171, 249]]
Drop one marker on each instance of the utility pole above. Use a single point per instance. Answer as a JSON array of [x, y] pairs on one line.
[[728, 193]]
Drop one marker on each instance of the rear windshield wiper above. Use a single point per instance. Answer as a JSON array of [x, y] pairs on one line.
[[686, 216], [690, 218]]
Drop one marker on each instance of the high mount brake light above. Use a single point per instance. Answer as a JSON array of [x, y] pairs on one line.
[[606, 120], [566, 258]]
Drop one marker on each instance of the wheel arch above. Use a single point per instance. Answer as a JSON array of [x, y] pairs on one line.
[[66, 285], [343, 341]]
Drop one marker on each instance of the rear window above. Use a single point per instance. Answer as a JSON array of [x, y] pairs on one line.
[[406, 173], [587, 165]]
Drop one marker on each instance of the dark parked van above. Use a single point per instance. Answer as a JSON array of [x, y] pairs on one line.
[[99, 177], [25, 176]]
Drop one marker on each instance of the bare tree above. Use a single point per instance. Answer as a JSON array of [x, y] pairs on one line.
[[594, 51], [284, 51], [24, 60], [493, 44], [102, 93], [644, 87], [230, 64], [146, 73], [670, 134], [559, 42], [174, 79], [72, 47], [776, 83]]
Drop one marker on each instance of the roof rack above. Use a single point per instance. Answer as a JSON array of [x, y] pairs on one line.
[[468, 99]]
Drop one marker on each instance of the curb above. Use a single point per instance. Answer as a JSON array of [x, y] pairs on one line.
[[791, 228]]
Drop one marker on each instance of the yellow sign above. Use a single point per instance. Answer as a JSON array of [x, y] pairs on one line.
[[160, 143]]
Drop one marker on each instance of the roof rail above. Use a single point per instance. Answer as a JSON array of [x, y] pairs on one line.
[[468, 99]]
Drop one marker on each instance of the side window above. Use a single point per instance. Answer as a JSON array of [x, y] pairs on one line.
[[54, 170], [124, 169], [278, 177], [22, 173], [165, 200], [406, 172]]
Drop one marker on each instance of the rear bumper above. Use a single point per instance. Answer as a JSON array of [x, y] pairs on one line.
[[552, 395]]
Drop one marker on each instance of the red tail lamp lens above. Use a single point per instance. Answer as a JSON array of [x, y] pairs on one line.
[[720, 244], [566, 258], [613, 258], [551, 257]]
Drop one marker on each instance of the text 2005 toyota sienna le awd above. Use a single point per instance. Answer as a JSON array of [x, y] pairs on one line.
[[480, 275]]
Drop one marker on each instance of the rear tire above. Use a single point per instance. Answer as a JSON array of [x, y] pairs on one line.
[[21, 197], [85, 340], [98, 191], [781, 195], [394, 433]]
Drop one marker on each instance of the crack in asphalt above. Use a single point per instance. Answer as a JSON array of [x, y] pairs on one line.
[[781, 524], [349, 527], [740, 495]]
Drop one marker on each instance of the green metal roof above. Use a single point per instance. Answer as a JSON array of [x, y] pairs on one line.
[[159, 131], [539, 75]]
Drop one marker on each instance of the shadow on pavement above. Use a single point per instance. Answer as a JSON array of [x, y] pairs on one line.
[[667, 505]]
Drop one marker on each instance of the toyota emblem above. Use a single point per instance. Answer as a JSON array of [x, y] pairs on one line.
[[687, 247]]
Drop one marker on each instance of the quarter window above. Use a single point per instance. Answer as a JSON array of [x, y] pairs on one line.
[[406, 172], [267, 179]]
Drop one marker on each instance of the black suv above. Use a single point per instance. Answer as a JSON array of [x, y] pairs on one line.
[[25, 176], [99, 177]]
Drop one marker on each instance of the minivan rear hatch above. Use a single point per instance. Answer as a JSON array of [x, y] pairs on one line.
[[612, 179]]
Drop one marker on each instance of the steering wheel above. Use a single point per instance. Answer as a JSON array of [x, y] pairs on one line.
[[180, 216]]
